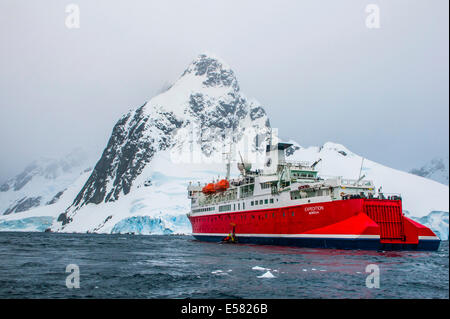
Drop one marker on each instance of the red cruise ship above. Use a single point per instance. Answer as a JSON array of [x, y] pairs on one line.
[[288, 204]]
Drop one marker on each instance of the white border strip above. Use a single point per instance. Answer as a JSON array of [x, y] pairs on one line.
[[429, 238], [295, 235]]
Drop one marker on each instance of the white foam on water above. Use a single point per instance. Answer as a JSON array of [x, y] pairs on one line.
[[267, 274]]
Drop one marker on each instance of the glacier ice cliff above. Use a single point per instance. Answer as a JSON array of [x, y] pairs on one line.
[[146, 225], [40, 224], [436, 220]]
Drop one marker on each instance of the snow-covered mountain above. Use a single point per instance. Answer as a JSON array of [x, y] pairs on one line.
[[139, 183], [436, 169], [199, 114], [42, 182]]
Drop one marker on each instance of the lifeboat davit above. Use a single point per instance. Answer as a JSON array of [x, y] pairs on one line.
[[209, 189], [222, 185]]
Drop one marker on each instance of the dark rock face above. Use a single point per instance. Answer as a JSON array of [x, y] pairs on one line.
[[436, 169], [23, 178], [141, 133], [64, 219], [4, 187], [24, 204], [216, 74], [257, 112], [425, 171], [129, 149], [55, 198]]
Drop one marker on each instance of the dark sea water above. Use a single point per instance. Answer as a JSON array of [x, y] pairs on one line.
[[33, 265]]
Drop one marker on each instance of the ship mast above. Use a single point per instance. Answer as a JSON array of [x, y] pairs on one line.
[[228, 155]]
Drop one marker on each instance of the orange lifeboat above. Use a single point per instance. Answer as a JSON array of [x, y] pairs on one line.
[[222, 185], [208, 189]]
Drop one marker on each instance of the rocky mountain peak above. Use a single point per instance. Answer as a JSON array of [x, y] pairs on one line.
[[206, 96], [213, 72]]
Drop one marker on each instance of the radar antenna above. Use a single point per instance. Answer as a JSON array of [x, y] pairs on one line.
[[228, 157], [315, 163], [360, 170]]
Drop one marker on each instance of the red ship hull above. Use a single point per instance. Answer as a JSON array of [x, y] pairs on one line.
[[343, 224]]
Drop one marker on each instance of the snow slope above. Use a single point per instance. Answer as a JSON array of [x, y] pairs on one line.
[[42, 182], [41, 218]]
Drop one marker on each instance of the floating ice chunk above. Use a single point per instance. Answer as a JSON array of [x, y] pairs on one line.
[[304, 269], [267, 274], [216, 271], [260, 268]]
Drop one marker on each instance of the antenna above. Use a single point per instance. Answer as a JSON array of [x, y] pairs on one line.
[[360, 179], [228, 164], [243, 164], [360, 169], [270, 139], [315, 163]]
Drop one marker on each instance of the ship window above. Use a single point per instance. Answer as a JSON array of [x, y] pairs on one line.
[[261, 202], [273, 215], [266, 215], [266, 185], [252, 203], [284, 214], [266, 201], [243, 205], [239, 206], [224, 208], [271, 200], [292, 213]]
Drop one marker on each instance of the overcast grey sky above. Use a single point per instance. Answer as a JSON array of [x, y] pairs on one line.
[[320, 73]]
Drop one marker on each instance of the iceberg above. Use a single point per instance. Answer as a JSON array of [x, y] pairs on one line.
[[436, 220]]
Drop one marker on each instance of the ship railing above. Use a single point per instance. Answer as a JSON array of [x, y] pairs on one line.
[[389, 196], [381, 196], [304, 164], [355, 182]]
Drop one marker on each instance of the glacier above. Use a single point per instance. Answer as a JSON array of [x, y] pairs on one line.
[[436, 221], [146, 225], [38, 223], [42, 182]]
